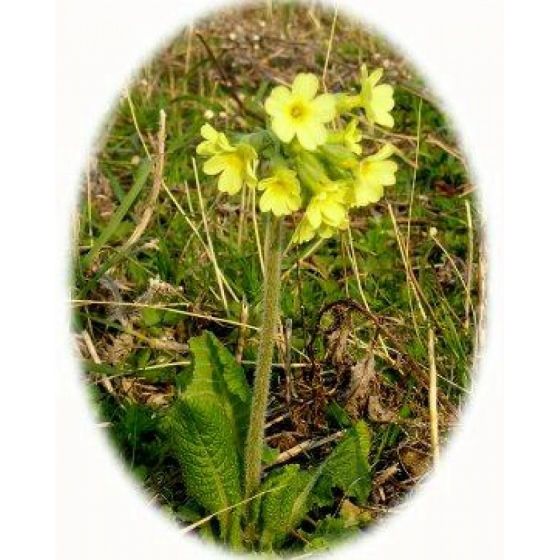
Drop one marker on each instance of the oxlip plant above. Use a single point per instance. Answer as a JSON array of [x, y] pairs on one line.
[[307, 162]]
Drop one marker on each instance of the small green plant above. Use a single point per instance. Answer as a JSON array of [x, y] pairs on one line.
[[307, 159]]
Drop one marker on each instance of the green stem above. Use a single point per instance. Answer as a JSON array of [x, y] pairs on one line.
[[255, 436], [347, 103]]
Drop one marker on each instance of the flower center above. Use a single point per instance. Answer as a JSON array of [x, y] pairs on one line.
[[235, 161], [298, 111]]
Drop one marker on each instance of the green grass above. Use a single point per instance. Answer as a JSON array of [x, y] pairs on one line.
[[143, 349]]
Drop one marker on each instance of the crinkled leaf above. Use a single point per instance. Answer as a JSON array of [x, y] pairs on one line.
[[217, 373], [203, 442], [347, 467], [284, 503]]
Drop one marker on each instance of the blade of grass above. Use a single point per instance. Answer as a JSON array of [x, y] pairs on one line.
[[414, 174], [355, 268], [118, 216], [468, 301], [88, 180]]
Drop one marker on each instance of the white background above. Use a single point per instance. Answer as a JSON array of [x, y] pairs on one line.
[[458, 44]]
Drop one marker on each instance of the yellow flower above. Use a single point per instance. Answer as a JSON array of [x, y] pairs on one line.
[[300, 113], [328, 207], [373, 173], [352, 137], [236, 166], [282, 193], [304, 232], [377, 100], [326, 212], [214, 142]]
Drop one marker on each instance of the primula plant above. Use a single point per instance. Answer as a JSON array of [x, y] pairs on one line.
[[307, 165]]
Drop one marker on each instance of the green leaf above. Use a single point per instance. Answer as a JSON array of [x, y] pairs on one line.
[[347, 467], [217, 373], [151, 316], [202, 440], [208, 430], [269, 455], [285, 504], [329, 532]]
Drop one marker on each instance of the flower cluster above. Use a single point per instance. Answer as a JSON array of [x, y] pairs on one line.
[[310, 155]]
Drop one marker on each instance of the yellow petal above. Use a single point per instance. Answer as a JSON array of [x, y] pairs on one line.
[[304, 232], [205, 148], [208, 132], [214, 143], [382, 97], [266, 183], [367, 193], [215, 165], [277, 100], [282, 192], [230, 181], [266, 201], [305, 85], [313, 215], [381, 104], [384, 153], [385, 172], [385, 119], [326, 232], [294, 203], [289, 177], [324, 107], [356, 148], [374, 77], [334, 214], [279, 202], [312, 134], [382, 172], [283, 127]]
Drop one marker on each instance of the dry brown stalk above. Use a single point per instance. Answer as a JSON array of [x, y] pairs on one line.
[[433, 397], [95, 357], [158, 178], [306, 446]]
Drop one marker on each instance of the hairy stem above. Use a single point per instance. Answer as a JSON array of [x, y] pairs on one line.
[[255, 436]]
